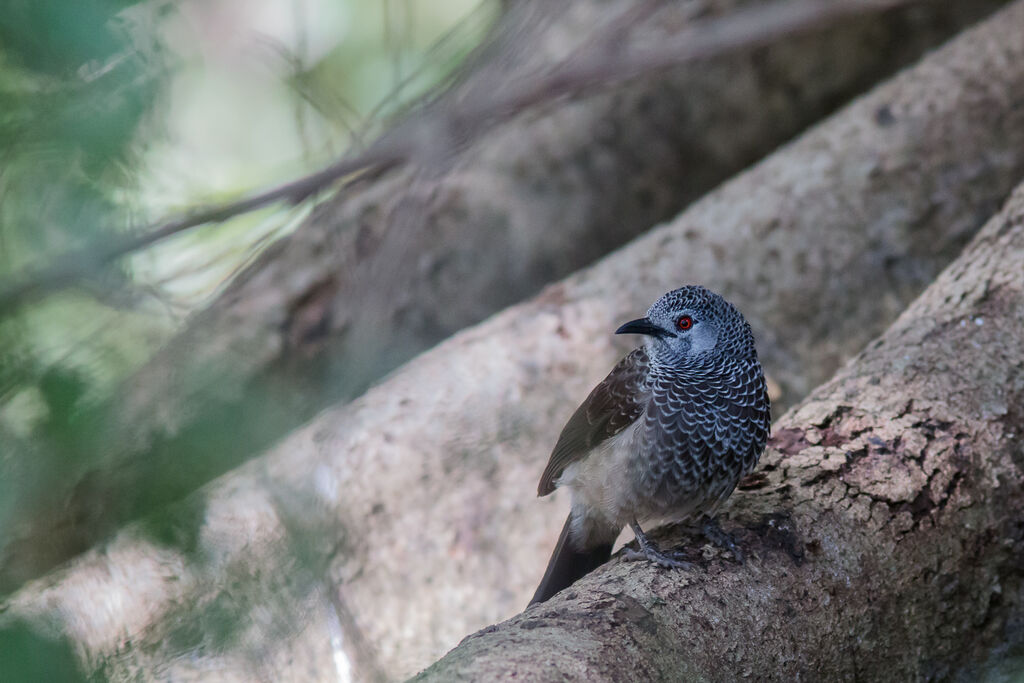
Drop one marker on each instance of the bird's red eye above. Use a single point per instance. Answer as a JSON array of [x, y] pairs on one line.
[[685, 322]]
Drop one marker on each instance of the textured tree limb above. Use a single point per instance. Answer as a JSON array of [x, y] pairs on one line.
[[382, 273], [416, 503], [885, 529]]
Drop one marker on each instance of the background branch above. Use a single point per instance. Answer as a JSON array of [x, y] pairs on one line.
[[450, 123]]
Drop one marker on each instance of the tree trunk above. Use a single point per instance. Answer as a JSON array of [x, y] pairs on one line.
[[373, 277], [411, 511], [884, 531]]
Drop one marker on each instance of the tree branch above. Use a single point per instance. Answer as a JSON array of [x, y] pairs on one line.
[[883, 535]]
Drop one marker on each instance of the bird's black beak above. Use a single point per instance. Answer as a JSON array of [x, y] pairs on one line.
[[642, 326]]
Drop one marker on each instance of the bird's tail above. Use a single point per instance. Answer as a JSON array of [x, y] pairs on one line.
[[567, 565]]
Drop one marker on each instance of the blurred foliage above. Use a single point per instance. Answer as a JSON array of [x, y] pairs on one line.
[[118, 113], [74, 87], [30, 657], [420, 48]]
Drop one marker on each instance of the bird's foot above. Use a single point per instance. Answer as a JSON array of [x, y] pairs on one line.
[[650, 551], [669, 560], [714, 533]]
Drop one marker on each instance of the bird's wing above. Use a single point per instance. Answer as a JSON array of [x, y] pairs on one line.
[[613, 405]]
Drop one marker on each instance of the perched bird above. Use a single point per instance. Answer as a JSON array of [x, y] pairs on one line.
[[667, 435]]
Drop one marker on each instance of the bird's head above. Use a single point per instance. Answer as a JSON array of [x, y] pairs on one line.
[[693, 325]]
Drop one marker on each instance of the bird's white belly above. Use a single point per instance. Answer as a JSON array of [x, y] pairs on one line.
[[601, 482], [605, 497]]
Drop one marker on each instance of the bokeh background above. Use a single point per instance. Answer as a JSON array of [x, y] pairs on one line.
[[117, 114]]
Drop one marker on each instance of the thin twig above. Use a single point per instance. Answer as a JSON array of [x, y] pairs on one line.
[[80, 264], [418, 137]]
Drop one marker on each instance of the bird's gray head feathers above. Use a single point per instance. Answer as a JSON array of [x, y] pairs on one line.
[[693, 325]]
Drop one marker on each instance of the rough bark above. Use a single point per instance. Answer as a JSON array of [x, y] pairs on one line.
[[413, 507], [375, 276], [884, 531]]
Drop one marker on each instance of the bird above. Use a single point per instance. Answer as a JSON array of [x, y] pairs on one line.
[[666, 435]]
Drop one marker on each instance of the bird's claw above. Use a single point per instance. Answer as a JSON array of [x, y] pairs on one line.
[[669, 560], [649, 551]]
